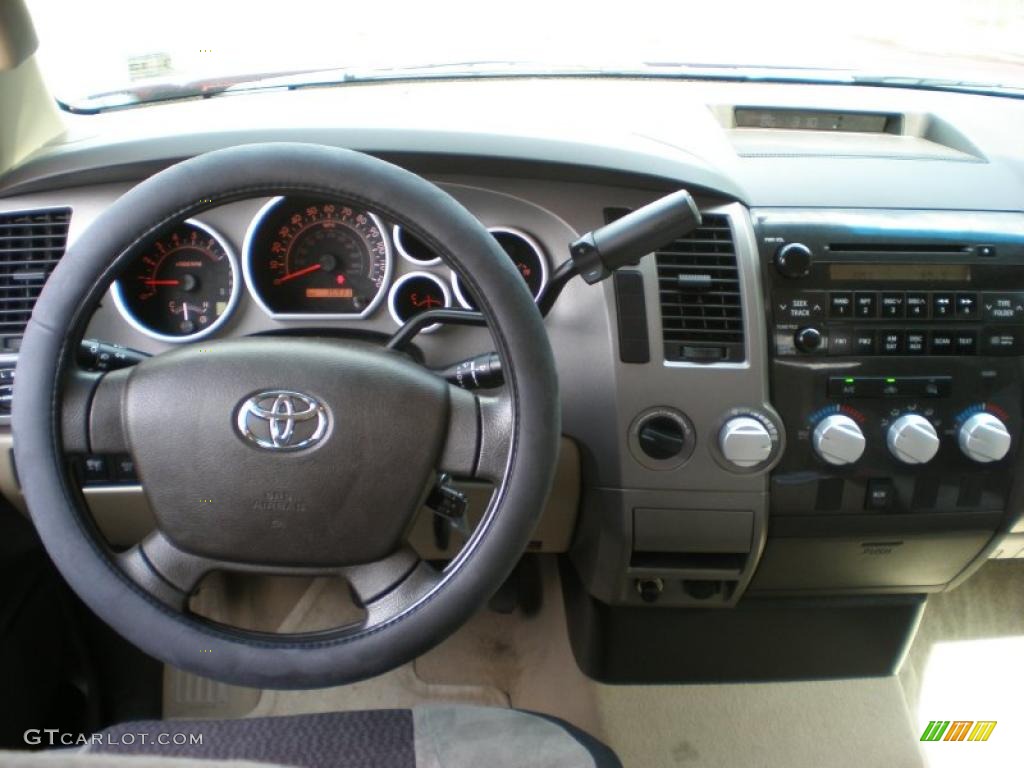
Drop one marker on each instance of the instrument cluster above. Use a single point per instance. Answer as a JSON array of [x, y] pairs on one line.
[[301, 259]]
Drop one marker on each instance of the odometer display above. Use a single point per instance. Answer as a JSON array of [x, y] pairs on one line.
[[314, 258], [183, 287]]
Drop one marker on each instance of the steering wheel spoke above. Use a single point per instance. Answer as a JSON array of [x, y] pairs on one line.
[[387, 587], [164, 571], [479, 435], [92, 411]]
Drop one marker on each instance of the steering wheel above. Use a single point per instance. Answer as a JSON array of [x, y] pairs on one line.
[[368, 430]]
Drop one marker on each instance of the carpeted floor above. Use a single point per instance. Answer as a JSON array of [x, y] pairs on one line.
[[509, 660]]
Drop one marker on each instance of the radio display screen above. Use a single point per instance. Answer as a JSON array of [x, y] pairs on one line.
[[952, 273]]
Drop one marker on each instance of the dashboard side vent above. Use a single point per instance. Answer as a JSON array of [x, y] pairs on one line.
[[699, 288], [31, 244]]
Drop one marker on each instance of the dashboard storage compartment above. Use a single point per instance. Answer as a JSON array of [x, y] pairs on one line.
[[918, 561]]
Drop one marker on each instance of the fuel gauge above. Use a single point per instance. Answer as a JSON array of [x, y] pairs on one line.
[[417, 292]]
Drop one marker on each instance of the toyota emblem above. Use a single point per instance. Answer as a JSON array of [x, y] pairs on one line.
[[282, 420]]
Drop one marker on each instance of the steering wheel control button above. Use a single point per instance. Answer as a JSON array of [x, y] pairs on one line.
[[793, 260], [745, 442], [912, 439], [984, 438], [838, 440], [281, 420], [661, 438]]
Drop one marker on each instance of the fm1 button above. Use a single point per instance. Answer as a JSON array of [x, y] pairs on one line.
[[840, 342]]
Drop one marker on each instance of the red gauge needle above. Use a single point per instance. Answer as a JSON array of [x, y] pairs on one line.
[[161, 282], [298, 273]]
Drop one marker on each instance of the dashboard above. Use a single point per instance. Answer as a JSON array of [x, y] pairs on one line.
[[819, 392]]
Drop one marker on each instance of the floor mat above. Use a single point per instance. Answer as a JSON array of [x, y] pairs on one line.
[[512, 660]]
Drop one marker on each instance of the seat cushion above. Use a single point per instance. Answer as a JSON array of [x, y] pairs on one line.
[[425, 737]]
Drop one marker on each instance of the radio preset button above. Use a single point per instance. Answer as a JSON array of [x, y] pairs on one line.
[[840, 305], [967, 306], [865, 305], [942, 306], [917, 306], [893, 305]]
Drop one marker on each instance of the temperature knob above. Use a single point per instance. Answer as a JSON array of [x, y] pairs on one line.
[[745, 442], [912, 439], [984, 438], [838, 440]]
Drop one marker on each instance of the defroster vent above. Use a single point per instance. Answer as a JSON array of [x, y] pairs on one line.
[[31, 244], [699, 287]]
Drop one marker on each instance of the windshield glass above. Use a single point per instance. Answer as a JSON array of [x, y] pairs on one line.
[[112, 53]]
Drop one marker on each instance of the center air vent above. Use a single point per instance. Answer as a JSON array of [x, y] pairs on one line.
[[699, 287], [31, 244]]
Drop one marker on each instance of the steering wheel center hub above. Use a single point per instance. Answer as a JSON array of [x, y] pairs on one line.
[[258, 450]]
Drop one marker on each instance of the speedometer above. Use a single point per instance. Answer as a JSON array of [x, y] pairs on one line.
[[313, 258]]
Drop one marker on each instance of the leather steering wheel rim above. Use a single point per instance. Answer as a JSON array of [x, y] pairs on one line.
[[40, 416]]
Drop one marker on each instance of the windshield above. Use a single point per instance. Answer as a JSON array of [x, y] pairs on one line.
[[112, 53]]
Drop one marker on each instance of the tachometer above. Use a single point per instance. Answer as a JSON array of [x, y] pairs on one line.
[[181, 288], [311, 258]]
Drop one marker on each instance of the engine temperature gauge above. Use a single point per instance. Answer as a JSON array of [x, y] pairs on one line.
[[183, 287]]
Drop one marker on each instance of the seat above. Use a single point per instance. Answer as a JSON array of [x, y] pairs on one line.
[[423, 737]]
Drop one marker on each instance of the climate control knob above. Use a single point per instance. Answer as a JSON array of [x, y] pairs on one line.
[[745, 442], [984, 438], [838, 440], [912, 439]]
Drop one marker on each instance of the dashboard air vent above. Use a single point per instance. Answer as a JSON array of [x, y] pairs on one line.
[[31, 244], [699, 287]]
